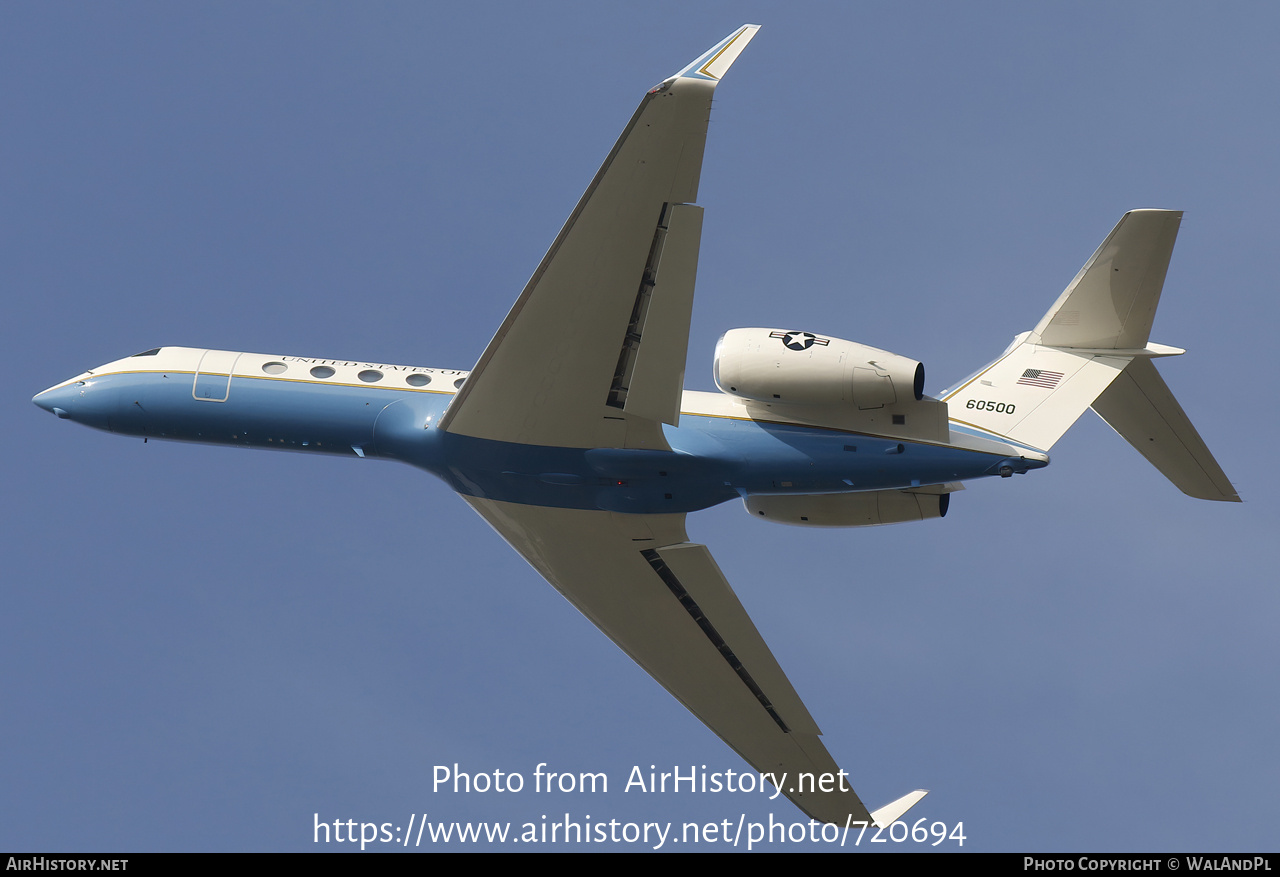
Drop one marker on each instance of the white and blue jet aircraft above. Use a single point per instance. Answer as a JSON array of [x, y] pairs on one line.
[[574, 439]]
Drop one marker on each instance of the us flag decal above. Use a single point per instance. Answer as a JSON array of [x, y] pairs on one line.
[[1038, 377]]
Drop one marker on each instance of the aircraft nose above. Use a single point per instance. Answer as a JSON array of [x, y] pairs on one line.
[[57, 400]]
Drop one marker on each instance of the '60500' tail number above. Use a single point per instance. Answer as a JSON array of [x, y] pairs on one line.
[[984, 405]]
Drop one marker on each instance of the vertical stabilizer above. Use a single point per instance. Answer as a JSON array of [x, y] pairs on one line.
[[1033, 394], [1092, 348]]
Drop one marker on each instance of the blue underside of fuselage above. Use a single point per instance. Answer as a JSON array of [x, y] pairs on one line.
[[713, 459]]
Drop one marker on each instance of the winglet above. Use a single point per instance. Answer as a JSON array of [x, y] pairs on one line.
[[891, 813], [716, 61]]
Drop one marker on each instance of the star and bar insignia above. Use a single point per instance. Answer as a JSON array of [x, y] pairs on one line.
[[799, 340]]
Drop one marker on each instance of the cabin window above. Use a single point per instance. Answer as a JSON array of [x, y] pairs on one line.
[[370, 375], [459, 382], [418, 380], [275, 368], [322, 371]]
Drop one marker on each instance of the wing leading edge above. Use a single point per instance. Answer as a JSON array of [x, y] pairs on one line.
[[592, 353]]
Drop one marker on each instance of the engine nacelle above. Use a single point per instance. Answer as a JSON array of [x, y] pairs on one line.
[[865, 509], [773, 365]]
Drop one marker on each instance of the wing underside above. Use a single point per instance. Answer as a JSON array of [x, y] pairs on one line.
[[592, 356], [592, 353], [664, 601]]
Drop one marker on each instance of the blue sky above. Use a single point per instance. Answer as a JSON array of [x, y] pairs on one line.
[[204, 647]]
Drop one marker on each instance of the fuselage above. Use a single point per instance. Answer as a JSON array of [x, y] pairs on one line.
[[721, 450]]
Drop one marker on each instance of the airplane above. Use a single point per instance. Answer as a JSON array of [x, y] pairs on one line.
[[574, 439]]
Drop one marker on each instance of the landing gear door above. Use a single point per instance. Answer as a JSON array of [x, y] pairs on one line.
[[213, 375]]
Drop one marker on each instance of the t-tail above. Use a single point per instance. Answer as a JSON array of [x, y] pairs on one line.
[[1092, 349]]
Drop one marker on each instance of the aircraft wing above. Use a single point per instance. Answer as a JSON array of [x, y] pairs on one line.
[[592, 356], [664, 601], [592, 353]]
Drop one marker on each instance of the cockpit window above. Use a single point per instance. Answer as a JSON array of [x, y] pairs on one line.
[[152, 352]]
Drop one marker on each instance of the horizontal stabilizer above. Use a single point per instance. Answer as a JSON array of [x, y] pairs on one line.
[[1099, 325], [1140, 407], [891, 813], [1112, 301]]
